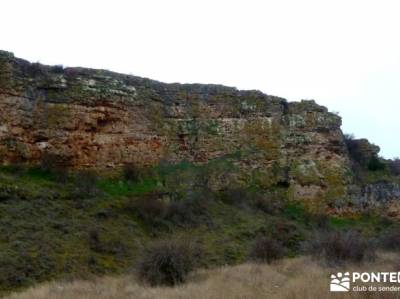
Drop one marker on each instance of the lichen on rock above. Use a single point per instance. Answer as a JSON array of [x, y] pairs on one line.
[[103, 120]]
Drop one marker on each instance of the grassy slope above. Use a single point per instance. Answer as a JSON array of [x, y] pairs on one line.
[[47, 231], [295, 278]]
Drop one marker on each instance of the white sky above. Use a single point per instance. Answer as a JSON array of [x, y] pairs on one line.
[[343, 54]]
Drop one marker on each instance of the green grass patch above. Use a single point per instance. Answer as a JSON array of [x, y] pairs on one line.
[[118, 188], [36, 173], [366, 223], [294, 211]]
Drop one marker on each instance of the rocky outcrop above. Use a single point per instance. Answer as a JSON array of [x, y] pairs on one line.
[[100, 119], [361, 151], [382, 197]]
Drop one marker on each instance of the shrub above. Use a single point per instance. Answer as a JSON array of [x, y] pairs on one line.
[[131, 173], [270, 203], [266, 204], [37, 69], [55, 165], [15, 168], [158, 213], [59, 69], [184, 181], [394, 166], [86, 183], [358, 149], [19, 268], [317, 220], [49, 161], [287, 233], [187, 213], [390, 239], [151, 209], [234, 196], [116, 247], [94, 240], [353, 147], [166, 263], [266, 250], [376, 164], [363, 153], [336, 247]]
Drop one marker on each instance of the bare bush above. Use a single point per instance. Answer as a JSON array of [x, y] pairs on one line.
[[336, 247], [166, 263], [390, 240], [159, 213], [266, 250], [151, 209]]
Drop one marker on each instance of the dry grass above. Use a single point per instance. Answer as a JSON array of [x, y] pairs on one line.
[[298, 278]]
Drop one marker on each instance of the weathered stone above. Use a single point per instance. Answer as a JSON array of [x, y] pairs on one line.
[[100, 119]]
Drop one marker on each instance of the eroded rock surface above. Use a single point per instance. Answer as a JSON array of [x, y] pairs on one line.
[[100, 119]]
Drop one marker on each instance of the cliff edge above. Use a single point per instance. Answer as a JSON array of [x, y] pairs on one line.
[[99, 119]]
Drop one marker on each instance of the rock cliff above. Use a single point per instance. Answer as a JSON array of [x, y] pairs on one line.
[[99, 119]]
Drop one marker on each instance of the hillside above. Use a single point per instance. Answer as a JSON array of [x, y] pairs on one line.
[[288, 279], [96, 165]]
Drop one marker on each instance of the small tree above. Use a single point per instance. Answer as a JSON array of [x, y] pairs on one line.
[[376, 164]]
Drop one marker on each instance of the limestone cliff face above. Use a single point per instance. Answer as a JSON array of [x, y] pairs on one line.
[[100, 119]]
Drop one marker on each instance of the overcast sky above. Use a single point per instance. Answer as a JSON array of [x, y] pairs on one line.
[[343, 54]]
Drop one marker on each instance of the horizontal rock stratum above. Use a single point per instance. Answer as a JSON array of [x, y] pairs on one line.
[[101, 119]]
